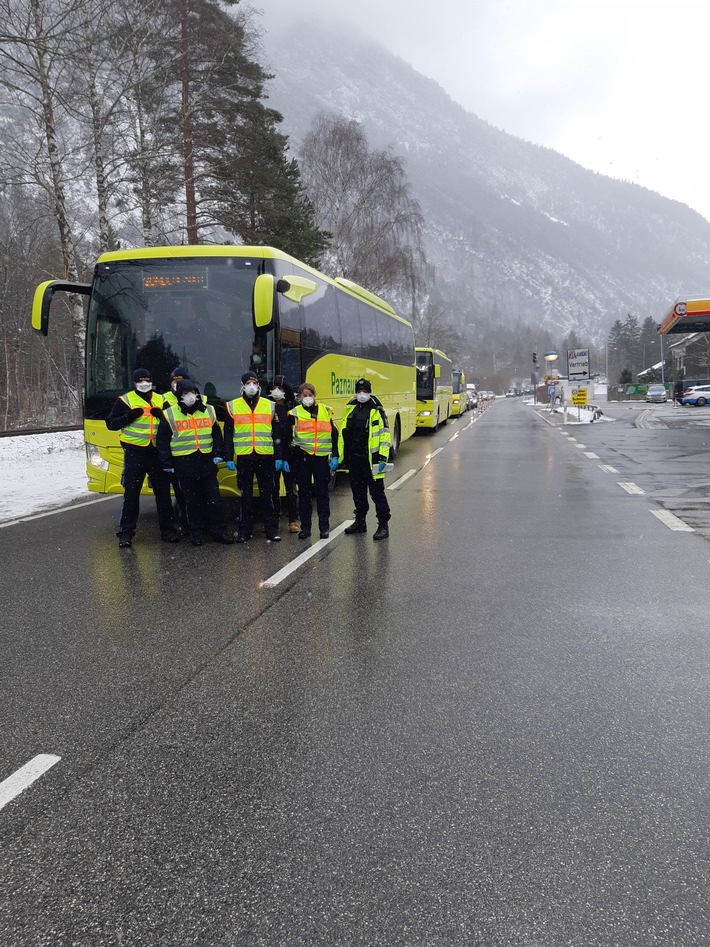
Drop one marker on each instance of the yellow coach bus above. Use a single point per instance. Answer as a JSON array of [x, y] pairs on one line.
[[459, 402], [219, 310], [434, 388]]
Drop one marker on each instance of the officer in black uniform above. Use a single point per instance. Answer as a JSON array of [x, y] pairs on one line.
[[136, 415]]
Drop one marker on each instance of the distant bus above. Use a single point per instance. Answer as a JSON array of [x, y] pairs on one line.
[[219, 310], [459, 402], [434, 388]]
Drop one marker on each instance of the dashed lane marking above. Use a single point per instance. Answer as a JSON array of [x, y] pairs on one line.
[[296, 563], [403, 479], [607, 469], [672, 521], [581, 446], [631, 488], [25, 776], [591, 455]]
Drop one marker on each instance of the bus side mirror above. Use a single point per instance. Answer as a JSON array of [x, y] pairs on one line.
[[43, 300], [295, 288], [437, 371], [263, 301]]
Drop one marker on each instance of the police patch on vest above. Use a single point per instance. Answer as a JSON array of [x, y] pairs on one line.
[[191, 423]]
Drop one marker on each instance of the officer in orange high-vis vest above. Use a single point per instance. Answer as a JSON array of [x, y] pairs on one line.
[[136, 415], [252, 436], [315, 439]]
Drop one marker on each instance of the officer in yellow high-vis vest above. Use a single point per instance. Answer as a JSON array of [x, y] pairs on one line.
[[136, 415], [314, 440], [252, 447], [169, 401], [191, 447]]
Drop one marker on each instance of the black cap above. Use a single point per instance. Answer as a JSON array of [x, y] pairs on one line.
[[180, 372], [250, 374], [362, 384], [279, 381], [140, 373], [185, 385]]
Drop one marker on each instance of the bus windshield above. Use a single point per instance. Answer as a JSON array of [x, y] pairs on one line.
[[425, 376], [161, 313]]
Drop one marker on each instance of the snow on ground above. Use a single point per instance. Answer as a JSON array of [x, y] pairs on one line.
[[41, 472]]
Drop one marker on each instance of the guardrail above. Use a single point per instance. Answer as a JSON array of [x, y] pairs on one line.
[[25, 432]]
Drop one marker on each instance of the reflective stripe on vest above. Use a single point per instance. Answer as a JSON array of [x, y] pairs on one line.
[[313, 435], [252, 429], [378, 437], [140, 432], [191, 432]]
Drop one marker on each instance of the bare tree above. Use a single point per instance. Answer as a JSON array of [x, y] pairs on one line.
[[363, 200]]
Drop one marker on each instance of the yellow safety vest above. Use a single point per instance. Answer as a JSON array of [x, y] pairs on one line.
[[170, 399], [378, 437], [313, 435], [191, 432], [140, 433], [252, 429]]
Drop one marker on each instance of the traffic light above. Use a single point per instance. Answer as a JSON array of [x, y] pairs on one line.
[[534, 358]]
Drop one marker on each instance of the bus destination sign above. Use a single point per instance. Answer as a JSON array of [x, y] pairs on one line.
[[155, 280]]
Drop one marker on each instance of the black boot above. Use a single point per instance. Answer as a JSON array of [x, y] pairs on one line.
[[359, 526], [382, 532]]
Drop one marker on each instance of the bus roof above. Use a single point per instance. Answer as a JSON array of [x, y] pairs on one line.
[[227, 250], [687, 315], [426, 348]]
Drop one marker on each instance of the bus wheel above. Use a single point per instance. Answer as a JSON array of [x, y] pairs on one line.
[[396, 438]]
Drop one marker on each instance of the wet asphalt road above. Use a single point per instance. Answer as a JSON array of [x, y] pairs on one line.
[[490, 730]]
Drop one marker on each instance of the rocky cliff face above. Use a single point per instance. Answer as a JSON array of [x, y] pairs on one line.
[[517, 232]]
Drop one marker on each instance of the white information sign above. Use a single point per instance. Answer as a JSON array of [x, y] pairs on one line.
[[578, 364]]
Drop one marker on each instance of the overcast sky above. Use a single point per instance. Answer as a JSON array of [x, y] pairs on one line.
[[620, 86]]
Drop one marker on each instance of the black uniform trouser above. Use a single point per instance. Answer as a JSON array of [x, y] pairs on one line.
[[312, 477], [289, 499], [201, 496], [260, 466], [362, 482], [139, 463]]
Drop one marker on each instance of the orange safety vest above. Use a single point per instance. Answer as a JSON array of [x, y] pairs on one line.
[[252, 429], [313, 435]]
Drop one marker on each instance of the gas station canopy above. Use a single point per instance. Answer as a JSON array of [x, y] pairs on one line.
[[687, 315]]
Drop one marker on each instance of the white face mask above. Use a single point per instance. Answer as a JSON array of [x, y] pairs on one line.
[[189, 398], [256, 359], [144, 386], [277, 394], [307, 401], [363, 396], [173, 385], [250, 390]]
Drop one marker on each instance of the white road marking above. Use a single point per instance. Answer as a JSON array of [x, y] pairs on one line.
[[631, 488], [282, 574], [454, 437], [672, 521], [61, 509], [398, 483], [591, 455], [432, 456], [581, 446], [25, 776], [607, 469]]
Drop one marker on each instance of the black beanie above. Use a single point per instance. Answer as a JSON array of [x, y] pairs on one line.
[[141, 373], [362, 384], [185, 385], [180, 372], [250, 374]]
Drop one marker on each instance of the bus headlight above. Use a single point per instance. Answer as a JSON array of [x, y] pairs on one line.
[[94, 458], [425, 414]]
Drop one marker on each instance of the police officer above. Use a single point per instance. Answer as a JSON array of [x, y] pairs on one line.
[[251, 434], [190, 446], [315, 438], [281, 393], [169, 401], [136, 415], [364, 447]]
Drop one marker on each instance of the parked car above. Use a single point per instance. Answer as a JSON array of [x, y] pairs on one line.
[[472, 398], [688, 383], [656, 393], [700, 395]]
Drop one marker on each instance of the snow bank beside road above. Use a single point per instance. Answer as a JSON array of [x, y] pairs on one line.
[[41, 472]]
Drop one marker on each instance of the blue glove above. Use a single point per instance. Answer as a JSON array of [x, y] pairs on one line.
[[168, 470], [334, 464], [218, 460], [287, 469], [279, 464], [381, 467], [230, 465]]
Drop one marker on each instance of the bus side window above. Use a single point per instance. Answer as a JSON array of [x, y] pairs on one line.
[[350, 328]]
